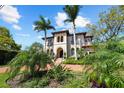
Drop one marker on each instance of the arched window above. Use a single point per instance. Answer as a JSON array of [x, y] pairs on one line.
[[61, 38], [58, 39], [77, 49], [72, 51], [47, 50]]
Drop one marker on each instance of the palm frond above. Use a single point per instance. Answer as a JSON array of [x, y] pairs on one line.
[[50, 27], [72, 11]]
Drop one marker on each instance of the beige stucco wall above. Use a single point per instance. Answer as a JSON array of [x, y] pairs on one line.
[[79, 40], [66, 44], [62, 45]]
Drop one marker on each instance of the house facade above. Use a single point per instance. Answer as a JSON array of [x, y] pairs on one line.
[[61, 44]]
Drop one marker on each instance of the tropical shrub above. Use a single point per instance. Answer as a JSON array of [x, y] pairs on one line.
[[107, 63], [36, 82], [34, 60], [59, 73], [81, 53]]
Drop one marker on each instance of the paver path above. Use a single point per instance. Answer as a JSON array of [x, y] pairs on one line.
[[4, 69], [73, 67]]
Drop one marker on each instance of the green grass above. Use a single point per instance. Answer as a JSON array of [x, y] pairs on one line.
[[3, 78]]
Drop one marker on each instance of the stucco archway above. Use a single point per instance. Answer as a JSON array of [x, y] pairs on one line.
[[59, 53]]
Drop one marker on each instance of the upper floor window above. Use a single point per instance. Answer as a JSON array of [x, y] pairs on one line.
[[87, 39], [72, 40], [50, 42], [58, 39], [61, 38]]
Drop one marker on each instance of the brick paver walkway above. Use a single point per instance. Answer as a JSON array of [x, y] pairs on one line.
[[76, 68], [4, 69]]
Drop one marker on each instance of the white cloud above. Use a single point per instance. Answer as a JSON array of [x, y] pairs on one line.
[[23, 35], [17, 27], [80, 21], [60, 19], [10, 14]]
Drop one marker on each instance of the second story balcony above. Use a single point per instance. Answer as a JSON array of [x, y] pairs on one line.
[[50, 44]]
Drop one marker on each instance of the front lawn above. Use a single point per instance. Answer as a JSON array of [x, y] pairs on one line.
[[3, 78]]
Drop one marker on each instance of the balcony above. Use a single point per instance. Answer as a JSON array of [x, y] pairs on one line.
[[50, 44]]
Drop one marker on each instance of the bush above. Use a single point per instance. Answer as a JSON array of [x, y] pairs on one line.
[[72, 60], [36, 83], [106, 64], [77, 81], [59, 73]]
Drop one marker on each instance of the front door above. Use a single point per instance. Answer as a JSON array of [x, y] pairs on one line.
[[60, 53]]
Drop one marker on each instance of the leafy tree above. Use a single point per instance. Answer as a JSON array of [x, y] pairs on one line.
[[6, 40], [43, 25], [110, 24], [8, 47], [72, 12]]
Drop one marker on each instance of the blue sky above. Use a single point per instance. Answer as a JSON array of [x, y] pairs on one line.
[[19, 20]]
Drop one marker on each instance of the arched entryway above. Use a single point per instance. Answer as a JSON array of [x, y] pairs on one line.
[[59, 53]]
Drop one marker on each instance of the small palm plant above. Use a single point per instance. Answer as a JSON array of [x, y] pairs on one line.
[[43, 25], [34, 59]]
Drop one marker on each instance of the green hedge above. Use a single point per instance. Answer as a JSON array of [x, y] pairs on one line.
[[6, 56], [72, 60]]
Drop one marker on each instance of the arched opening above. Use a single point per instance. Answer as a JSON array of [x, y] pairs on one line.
[[51, 51], [59, 53], [47, 50], [77, 49], [72, 51]]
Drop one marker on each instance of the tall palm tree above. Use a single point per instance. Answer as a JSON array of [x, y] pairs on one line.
[[43, 25], [72, 12], [1, 6]]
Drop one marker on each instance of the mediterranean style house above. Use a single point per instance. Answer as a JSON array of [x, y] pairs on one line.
[[61, 44]]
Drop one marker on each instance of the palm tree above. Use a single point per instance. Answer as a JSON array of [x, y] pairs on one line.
[[72, 13], [1, 6], [43, 25]]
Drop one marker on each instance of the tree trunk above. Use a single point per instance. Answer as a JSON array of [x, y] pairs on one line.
[[45, 38], [75, 49]]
